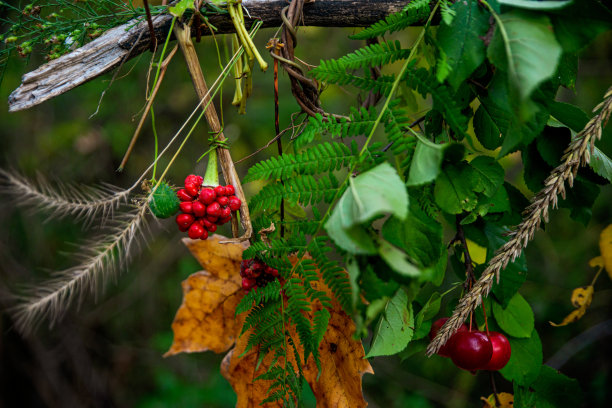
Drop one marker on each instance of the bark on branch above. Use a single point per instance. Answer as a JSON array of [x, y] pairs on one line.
[[131, 39]]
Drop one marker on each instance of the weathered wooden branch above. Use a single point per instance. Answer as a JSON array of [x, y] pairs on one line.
[[131, 39]]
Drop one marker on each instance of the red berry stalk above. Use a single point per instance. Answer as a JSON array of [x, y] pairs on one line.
[[204, 203]]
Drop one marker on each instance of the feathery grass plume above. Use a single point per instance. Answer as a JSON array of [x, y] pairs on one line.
[[101, 260], [577, 153], [82, 202]]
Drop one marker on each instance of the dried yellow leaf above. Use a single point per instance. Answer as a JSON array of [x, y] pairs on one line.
[[597, 262], [506, 400], [571, 318], [605, 246]]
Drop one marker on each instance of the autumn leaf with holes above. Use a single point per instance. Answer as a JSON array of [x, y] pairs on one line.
[[206, 321]]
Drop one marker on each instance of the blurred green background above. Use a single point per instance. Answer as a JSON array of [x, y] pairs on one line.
[[108, 352]]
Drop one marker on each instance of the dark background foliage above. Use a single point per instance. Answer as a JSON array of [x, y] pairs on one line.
[[109, 351]]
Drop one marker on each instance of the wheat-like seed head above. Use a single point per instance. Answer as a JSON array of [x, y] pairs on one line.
[[83, 203], [577, 153], [101, 260]]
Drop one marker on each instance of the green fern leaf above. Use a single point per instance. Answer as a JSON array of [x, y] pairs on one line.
[[366, 57], [321, 158], [269, 293], [415, 12], [334, 276]]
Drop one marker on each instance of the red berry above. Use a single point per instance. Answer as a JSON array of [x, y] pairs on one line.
[[248, 283], [470, 350], [193, 179], [184, 221], [212, 228], [210, 218], [199, 209], [226, 212], [183, 195], [192, 189], [223, 201], [214, 209], [207, 196], [195, 231], [222, 221], [220, 191], [234, 203], [274, 272], [229, 190], [435, 328], [501, 352], [186, 207], [204, 235], [207, 224]]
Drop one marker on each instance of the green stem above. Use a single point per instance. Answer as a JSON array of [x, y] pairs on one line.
[[211, 177], [156, 142]]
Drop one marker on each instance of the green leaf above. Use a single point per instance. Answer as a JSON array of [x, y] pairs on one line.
[[490, 172], [525, 361], [461, 40], [486, 128], [397, 260], [428, 312], [426, 162], [419, 236], [551, 390], [376, 192], [395, 328], [454, 191], [571, 116], [577, 25], [181, 7], [601, 164], [536, 4], [524, 46], [516, 319]]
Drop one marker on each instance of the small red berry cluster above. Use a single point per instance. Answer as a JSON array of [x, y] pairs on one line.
[[203, 208], [256, 274], [474, 350]]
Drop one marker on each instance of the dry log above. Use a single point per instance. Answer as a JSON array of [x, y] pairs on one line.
[[131, 39]]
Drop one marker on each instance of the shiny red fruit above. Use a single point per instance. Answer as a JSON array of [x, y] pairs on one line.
[[470, 350], [210, 218], [193, 179], [212, 228], [226, 212], [234, 203], [207, 224], [501, 352], [220, 191], [204, 235], [248, 283], [186, 206], [195, 231], [184, 221], [222, 221], [183, 195], [214, 209], [435, 328], [229, 190], [199, 209], [223, 201], [192, 189], [207, 196]]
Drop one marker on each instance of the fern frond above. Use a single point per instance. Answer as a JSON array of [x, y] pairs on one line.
[[266, 294], [366, 57], [102, 260], [321, 158], [334, 276], [298, 307], [333, 72], [401, 142], [415, 12], [83, 203], [304, 190]]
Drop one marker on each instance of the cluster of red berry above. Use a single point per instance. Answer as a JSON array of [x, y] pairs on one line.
[[256, 274], [203, 208], [474, 350]]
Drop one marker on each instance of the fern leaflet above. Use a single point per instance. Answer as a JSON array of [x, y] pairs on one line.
[[416, 11]]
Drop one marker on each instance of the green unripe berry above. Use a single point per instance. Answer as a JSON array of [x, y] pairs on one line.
[[164, 202]]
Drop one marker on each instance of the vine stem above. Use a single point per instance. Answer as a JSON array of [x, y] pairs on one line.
[[576, 154]]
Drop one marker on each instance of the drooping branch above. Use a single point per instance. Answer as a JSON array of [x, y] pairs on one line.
[[131, 39]]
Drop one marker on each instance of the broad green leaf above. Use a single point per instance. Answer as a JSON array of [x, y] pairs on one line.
[[422, 322], [525, 361], [376, 192], [418, 235], [525, 47], [397, 260], [571, 116], [454, 190], [461, 40], [435, 274], [577, 25], [426, 162], [395, 328], [551, 390], [181, 7], [490, 172], [516, 319], [486, 128], [536, 4], [601, 164]]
